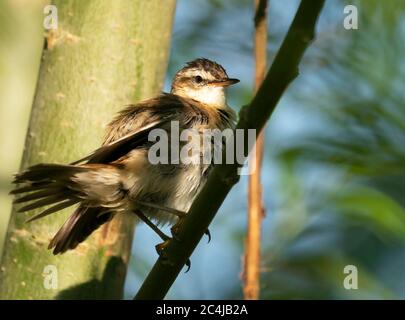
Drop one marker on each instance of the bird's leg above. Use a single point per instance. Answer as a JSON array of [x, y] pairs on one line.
[[180, 214], [161, 246], [154, 227], [177, 213]]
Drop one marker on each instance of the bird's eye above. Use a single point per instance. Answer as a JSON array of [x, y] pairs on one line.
[[198, 79]]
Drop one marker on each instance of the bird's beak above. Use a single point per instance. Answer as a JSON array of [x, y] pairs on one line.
[[223, 83]]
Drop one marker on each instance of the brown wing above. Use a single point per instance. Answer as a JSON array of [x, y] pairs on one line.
[[119, 148], [129, 130]]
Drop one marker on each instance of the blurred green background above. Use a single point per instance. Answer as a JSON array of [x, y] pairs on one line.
[[334, 162]]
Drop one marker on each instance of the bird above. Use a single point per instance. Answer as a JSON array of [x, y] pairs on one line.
[[119, 177]]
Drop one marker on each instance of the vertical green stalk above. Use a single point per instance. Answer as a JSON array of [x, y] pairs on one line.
[[104, 54]]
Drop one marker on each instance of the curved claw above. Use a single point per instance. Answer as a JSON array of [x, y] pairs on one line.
[[188, 265], [208, 234]]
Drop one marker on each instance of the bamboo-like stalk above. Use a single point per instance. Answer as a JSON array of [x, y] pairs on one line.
[[102, 56], [251, 272], [224, 176]]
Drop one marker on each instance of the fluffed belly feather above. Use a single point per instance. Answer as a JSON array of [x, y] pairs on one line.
[[166, 185]]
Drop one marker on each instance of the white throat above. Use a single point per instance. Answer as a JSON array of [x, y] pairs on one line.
[[210, 95]]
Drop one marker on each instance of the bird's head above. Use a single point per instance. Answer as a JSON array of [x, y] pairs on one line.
[[204, 81]]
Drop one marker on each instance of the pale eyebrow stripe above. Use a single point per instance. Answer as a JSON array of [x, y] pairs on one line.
[[195, 72]]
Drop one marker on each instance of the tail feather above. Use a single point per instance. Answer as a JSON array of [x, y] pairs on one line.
[[44, 202], [60, 206], [47, 172], [78, 227], [30, 187], [61, 186], [37, 195], [47, 184]]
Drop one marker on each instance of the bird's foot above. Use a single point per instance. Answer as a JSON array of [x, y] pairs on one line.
[[175, 230], [177, 213], [160, 249]]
